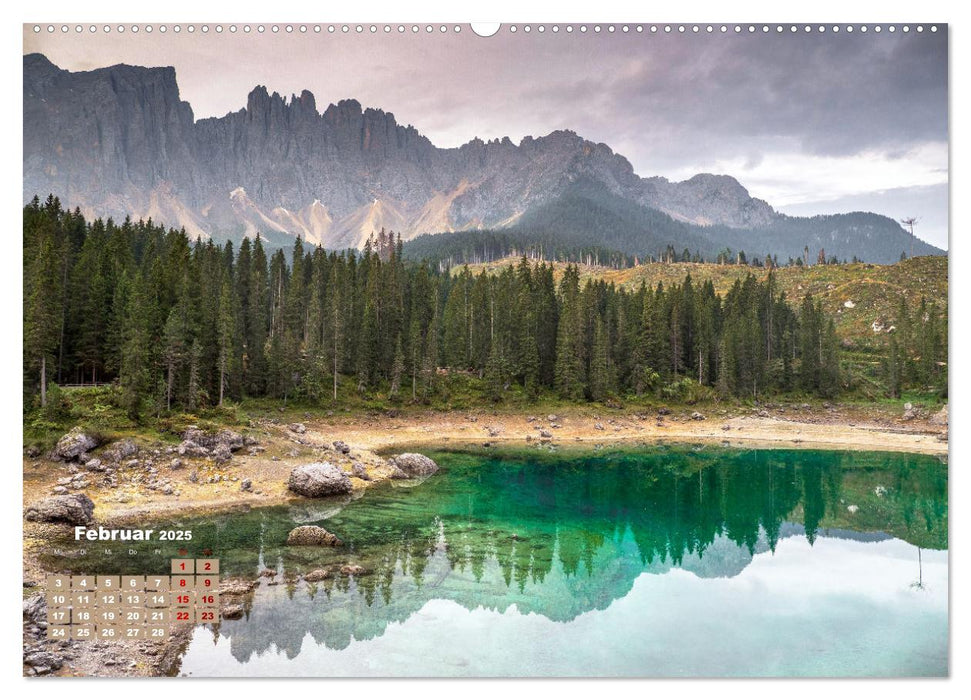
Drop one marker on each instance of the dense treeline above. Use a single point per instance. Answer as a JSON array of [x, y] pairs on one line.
[[916, 349], [445, 250], [183, 324]]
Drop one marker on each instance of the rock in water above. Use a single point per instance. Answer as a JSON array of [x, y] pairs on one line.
[[232, 612], [317, 575], [74, 444], [415, 464], [318, 479], [312, 535], [74, 509]]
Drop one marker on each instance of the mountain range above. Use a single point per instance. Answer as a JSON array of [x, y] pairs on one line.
[[119, 141]]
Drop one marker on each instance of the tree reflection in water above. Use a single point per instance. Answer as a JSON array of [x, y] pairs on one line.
[[553, 534]]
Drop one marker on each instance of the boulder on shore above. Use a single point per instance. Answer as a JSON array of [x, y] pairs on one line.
[[312, 536], [74, 444], [121, 451], [414, 464], [318, 479], [73, 509], [198, 443]]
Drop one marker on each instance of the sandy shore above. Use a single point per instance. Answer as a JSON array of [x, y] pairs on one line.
[[822, 432], [201, 486]]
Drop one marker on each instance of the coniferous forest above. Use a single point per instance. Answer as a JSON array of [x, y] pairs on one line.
[[179, 324]]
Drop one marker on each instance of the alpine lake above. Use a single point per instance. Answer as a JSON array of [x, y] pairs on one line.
[[660, 561]]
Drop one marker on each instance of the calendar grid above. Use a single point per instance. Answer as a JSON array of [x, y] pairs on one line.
[[132, 606]]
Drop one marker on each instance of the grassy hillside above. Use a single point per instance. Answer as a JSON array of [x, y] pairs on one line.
[[873, 290]]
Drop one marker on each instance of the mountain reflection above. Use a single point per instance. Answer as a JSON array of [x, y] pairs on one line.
[[553, 534]]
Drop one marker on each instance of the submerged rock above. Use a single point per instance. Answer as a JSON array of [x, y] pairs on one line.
[[235, 588], [415, 464], [312, 535], [317, 575], [232, 612], [318, 479], [73, 509]]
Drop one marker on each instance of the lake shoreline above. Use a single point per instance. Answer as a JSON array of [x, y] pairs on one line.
[[372, 439]]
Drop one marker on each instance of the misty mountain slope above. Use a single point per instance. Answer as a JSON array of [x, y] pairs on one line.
[[119, 141], [588, 213], [865, 236]]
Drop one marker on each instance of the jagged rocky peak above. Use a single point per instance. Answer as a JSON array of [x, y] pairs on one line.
[[708, 199], [37, 67], [119, 141]]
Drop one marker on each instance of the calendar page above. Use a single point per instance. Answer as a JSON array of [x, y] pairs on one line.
[[485, 350]]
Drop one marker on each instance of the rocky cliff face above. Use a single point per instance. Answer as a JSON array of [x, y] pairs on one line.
[[118, 141]]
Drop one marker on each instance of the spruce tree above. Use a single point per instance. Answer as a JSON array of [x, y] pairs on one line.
[[227, 337], [42, 309]]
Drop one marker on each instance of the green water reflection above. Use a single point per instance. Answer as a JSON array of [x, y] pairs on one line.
[[561, 538]]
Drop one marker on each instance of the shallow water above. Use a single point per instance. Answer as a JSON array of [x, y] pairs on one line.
[[659, 562]]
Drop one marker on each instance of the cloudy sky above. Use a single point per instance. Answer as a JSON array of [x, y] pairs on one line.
[[810, 122]]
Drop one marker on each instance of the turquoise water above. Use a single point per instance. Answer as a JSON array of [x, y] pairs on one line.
[[660, 562]]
